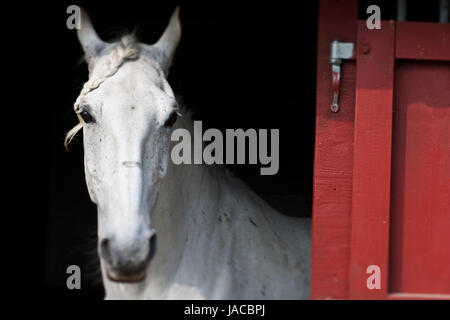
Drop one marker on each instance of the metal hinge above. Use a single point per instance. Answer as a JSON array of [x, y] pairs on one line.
[[339, 51]]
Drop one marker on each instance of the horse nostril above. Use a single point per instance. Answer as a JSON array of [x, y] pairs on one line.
[[105, 250], [152, 246]]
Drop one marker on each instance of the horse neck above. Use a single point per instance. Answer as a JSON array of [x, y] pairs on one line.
[[185, 200]]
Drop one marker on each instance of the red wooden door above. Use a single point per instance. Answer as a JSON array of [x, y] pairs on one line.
[[401, 198], [381, 172]]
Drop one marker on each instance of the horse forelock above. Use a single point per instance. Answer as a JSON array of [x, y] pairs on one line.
[[127, 48]]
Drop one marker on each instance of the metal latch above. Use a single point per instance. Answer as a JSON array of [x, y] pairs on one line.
[[339, 51]]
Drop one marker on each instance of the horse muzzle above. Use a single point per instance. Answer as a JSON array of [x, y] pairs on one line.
[[126, 264]]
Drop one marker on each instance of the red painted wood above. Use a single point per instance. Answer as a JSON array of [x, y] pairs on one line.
[[423, 41], [333, 156], [358, 219], [372, 158], [420, 203]]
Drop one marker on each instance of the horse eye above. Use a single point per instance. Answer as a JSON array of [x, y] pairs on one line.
[[171, 120], [86, 116]]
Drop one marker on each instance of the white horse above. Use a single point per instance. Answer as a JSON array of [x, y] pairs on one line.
[[216, 238]]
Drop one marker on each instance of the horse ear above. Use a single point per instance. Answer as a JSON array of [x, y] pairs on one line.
[[90, 41], [164, 49]]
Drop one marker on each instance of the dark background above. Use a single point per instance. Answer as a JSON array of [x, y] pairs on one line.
[[237, 66]]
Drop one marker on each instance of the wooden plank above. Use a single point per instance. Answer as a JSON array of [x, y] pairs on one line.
[[420, 191], [333, 156], [423, 41], [372, 158]]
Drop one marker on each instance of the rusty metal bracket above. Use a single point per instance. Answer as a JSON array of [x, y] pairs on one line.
[[339, 51]]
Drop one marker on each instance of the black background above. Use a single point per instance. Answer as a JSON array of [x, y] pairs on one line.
[[236, 66]]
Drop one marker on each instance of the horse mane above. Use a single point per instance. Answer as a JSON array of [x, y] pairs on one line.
[[125, 49]]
